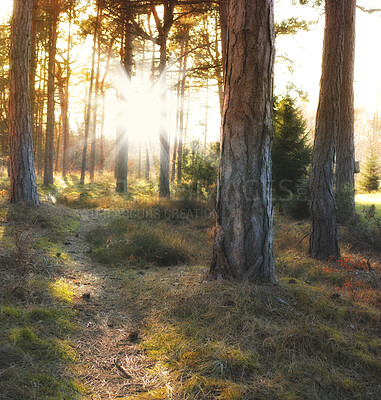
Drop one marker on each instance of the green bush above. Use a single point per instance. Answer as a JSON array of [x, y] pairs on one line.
[[371, 174]]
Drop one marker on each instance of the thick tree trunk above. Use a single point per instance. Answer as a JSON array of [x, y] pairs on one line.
[[345, 155], [121, 134], [49, 141], [33, 62], [324, 240], [23, 179], [243, 246]]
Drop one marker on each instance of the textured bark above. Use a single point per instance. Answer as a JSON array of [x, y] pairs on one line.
[[121, 134], [324, 240], [33, 62], [23, 179], [345, 155], [49, 138], [243, 246]]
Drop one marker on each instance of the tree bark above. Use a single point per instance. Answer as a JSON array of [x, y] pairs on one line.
[[324, 240], [33, 62], [49, 141], [65, 108], [121, 134], [345, 157], [23, 180], [243, 244]]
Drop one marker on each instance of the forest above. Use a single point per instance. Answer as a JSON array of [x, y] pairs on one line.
[[190, 199]]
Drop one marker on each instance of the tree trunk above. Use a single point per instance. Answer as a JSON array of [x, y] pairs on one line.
[[95, 111], [121, 134], [23, 179], [90, 96], [163, 133], [181, 115], [33, 62], [65, 110], [49, 141], [345, 156], [324, 240], [243, 244]]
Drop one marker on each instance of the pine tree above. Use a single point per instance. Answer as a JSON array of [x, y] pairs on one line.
[[371, 174], [291, 153]]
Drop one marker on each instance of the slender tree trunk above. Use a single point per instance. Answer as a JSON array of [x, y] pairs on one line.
[[163, 133], [345, 156], [324, 240], [23, 180], [147, 170], [243, 244], [95, 112], [50, 123], [90, 96], [121, 134], [65, 111], [59, 130], [181, 115]]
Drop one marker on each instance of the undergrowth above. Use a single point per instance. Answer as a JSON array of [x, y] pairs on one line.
[[36, 356]]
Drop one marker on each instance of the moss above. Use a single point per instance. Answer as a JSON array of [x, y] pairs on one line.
[[8, 314], [62, 291]]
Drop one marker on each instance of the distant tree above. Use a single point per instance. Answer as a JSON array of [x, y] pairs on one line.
[[200, 170], [54, 11], [324, 239], [243, 244], [291, 153], [23, 179], [371, 174]]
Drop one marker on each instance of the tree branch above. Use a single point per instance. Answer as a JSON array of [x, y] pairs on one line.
[[370, 10]]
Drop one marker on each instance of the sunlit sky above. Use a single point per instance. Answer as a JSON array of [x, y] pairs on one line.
[[305, 49]]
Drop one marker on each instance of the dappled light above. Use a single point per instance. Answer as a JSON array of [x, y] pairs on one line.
[[185, 213]]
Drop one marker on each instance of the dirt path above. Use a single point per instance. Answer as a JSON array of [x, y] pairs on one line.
[[111, 364]]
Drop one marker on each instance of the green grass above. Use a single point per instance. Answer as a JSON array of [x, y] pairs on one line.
[[235, 341], [366, 200], [36, 319], [309, 337]]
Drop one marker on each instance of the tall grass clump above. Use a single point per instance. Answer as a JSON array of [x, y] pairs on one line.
[[124, 240]]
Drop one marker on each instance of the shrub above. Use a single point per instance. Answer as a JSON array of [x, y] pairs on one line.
[[371, 174]]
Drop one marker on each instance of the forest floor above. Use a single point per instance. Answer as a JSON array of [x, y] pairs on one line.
[[110, 303]]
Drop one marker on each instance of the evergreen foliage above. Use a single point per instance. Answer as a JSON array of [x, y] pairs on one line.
[[371, 174], [291, 154]]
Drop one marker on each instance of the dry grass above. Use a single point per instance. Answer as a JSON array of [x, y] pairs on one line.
[[149, 332]]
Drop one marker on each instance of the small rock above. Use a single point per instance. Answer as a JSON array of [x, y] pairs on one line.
[[86, 296]]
